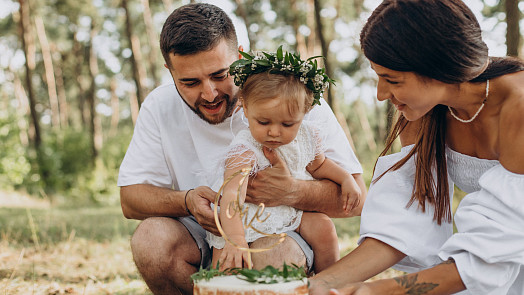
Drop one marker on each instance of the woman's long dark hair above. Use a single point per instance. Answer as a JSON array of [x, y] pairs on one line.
[[438, 39]]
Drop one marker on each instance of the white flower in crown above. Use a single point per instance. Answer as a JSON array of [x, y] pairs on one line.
[[305, 67]]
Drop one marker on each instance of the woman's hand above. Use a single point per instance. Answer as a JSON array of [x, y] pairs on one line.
[[353, 289], [318, 287]]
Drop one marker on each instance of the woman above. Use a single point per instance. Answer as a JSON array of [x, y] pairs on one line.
[[461, 121]]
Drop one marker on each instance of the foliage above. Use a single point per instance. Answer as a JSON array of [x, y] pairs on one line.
[[14, 164], [52, 225], [271, 275], [91, 56], [267, 275]]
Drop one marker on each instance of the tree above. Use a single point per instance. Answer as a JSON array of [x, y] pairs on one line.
[[139, 73], [153, 42], [29, 53], [513, 16], [49, 71]]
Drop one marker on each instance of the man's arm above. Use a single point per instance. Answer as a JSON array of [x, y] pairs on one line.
[[275, 186], [140, 201]]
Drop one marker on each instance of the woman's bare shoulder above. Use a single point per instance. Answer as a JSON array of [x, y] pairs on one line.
[[511, 127]]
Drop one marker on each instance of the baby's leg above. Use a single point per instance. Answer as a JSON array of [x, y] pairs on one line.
[[319, 231]]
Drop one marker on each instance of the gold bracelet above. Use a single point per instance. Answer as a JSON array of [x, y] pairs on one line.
[[185, 202]]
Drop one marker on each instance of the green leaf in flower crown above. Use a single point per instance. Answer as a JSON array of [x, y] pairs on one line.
[[280, 55], [263, 62], [313, 57], [246, 55]]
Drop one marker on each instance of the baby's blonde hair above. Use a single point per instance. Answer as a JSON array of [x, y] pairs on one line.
[[269, 86]]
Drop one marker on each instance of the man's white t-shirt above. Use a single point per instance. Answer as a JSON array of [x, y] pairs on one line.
[[174, 148]]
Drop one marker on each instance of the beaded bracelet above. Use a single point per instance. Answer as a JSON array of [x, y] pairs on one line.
[[185, 201]]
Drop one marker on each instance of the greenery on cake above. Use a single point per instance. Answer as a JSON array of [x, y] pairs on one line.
[[267, 275]]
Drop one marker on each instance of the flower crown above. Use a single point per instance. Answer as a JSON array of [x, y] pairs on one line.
[[282, 63]]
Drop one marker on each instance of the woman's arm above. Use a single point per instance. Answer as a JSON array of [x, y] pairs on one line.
[[371, 257], [442, 279]]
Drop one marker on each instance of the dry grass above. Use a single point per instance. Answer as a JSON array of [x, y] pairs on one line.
[[75, 266], [45, 250], [48, 250]]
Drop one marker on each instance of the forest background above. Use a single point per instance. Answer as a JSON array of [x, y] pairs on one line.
[[73, 74]]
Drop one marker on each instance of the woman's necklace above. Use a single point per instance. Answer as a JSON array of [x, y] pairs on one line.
[[478, 112]]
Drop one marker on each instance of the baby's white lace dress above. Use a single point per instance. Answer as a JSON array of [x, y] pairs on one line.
[[297, 155]]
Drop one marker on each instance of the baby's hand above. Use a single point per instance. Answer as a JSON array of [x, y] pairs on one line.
[[232, 256], [351, 191]]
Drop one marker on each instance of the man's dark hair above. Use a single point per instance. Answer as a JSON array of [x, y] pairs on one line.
[[195, 28]]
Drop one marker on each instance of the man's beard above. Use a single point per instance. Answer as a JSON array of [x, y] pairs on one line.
[[230, 102], [230, 107]]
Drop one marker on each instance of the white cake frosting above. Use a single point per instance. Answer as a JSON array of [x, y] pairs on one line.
[[232, 284]]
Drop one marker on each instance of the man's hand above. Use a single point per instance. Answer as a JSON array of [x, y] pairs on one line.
[[273, 184], [199, 205]]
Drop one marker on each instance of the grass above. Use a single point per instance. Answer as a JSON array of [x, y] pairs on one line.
[[50, 250], [67, 251]]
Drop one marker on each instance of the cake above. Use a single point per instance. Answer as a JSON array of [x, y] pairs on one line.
[[225, 285], [268, 281]]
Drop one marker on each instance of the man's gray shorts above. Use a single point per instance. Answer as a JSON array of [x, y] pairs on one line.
[[199, 235]]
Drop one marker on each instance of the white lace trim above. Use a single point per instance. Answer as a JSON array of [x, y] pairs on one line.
[[245, 150]]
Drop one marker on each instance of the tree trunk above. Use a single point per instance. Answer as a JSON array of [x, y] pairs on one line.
[[153, 42], [136, 56], [63, 105], [381, 130], [241, 10], [23, 111], [301, 40], [390, 116], [91, 98], [49, 72], [513, 15], [366, 127], [312, 38], [29, 52], [115, 107], [168, 5], [133, 104], [78, 54], [324, 44]]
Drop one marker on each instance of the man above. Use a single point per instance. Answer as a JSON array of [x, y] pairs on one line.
[[180, 136]]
